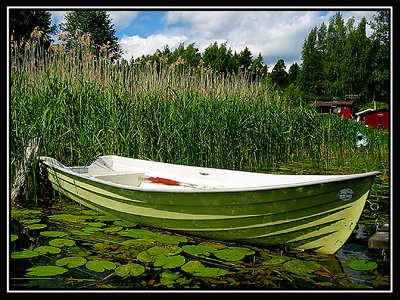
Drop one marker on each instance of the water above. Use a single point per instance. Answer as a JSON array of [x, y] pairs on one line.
[[67, 230]]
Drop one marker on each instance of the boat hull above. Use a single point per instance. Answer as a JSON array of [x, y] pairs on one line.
[[318, 217]]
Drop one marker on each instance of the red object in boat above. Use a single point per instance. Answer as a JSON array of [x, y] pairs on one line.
[[163, 180]]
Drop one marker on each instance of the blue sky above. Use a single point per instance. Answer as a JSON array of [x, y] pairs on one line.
[[273, 34]]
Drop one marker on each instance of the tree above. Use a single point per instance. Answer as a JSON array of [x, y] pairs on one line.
[[245, 59], [219, 58], [379, 57], [355, 59], [98, 25], [293, 73], [311, 78], [23, 22], [279, 75], [335, 64]]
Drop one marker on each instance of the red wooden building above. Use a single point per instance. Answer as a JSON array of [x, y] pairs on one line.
[[378, 118], [341, 108]]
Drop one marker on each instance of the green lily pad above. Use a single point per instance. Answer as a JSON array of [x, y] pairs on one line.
[[100, 265], [191, 266], [198, 249], [91, 229], [362, 265], [24, 254], [36, 226], [139, 244], [112, 229], [168, 278], [210, 272], [145, 257], [16, 213], [46, 271], [166, 250], [62, 242], [13, 237], [229, 254], [137, 233], [97, 224], [244, 250], [131, 269], [53, 233], [30, 221], [71, 261], [47, 249], [169, 262]]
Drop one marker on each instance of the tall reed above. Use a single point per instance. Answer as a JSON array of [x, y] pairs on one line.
[[82, 106]]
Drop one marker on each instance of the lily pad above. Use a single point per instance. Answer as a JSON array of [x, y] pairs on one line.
[[30, 221], [97, 224], [16, 213], [100, 265], [53, 233], [191, 266], [13, 237], [91, 229], [166, 250], [46, 271], [210, 272], [71, 261], [47, 249], [229, 254], [362, 265], [137, 233], [36, 226], [141, 244], [131, 269], [62, 242], [168, 278], [24, 254], [111, 229], [170, 262], [198, 249]]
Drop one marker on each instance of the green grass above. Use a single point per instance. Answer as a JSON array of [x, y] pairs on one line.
[[82, 107]]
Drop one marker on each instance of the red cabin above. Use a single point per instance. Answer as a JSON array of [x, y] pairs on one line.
[[378, 118], [341, 108]]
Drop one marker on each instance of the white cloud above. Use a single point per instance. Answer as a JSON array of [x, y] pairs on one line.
[[122, 19], [136, 46]]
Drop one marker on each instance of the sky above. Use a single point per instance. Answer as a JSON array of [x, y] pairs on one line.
[[275, 34]]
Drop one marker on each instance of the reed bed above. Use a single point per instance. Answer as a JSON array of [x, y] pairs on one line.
[[83, 106]]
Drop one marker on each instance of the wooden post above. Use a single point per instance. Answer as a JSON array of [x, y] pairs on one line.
[[30, 151]]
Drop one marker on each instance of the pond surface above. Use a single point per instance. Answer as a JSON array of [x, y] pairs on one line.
[[69, 247]]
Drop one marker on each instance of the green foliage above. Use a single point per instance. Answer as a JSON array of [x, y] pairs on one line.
[[98, 26], [24, 21], [279, 77]]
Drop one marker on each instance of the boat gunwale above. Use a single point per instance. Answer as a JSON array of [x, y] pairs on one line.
[[49, 162]]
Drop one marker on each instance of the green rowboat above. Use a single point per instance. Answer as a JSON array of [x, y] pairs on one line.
[[303, 212]]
